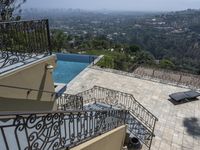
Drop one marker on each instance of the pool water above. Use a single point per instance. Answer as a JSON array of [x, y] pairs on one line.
[[65, 71]]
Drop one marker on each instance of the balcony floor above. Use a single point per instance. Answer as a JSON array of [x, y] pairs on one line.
[[178, 126], [9, 66]]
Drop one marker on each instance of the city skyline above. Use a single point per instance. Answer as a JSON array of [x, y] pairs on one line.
[[129, 5]]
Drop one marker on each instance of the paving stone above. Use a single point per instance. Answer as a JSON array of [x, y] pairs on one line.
[[196, 147], [188, 141], [175, 147], [177, 138], [164, 146], [176, 128]]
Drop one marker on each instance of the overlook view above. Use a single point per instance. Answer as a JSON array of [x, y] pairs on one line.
[[99, 75], [168, 40]]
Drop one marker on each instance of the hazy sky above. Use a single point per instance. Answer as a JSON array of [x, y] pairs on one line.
[[133, 5]]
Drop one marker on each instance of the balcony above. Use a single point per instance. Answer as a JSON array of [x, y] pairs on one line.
[[55, 130], [34, 116], [23, 42]]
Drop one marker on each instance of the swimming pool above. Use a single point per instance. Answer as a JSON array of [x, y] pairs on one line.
[[69, 66], [66, 70]]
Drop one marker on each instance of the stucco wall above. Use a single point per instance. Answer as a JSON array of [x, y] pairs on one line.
[[33, 76], [112, 140]]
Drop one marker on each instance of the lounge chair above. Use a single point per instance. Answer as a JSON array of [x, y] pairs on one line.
[[189, 95]]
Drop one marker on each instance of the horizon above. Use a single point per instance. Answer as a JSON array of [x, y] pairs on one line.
[[112, 5], [108, 10]]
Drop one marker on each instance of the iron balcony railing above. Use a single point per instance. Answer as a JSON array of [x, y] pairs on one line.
[[22, 42], [121, 99], [64, 101], [137, 112], [139, 130], [169, 76], [55, 130], [134, 127]]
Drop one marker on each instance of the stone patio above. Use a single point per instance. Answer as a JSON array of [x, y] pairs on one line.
[[178, 127]]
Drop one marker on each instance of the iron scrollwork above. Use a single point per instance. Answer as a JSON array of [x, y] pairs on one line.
[[23, 41], [56, 130], [141, 122]]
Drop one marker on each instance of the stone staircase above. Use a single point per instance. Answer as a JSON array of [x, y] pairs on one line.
[[140, 121]]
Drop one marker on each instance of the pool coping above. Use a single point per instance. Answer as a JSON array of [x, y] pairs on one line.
[[60, 87]]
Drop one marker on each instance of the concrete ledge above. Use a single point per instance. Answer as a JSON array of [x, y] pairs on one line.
[[112, 140], [30, 76], [9, 105], [28, 65]]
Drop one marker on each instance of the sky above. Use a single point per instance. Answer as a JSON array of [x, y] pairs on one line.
[[127, 5]]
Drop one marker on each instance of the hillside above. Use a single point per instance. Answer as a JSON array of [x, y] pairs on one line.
[[172, 36]]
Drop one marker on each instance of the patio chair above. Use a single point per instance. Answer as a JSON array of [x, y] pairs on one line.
[[188, 96]]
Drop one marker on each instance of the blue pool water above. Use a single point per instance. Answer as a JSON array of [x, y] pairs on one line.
[[65, 71]]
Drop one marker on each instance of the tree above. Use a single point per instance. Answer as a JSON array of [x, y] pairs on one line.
[[106, 62], [58, 39], [10, 9], [167, 64], [144, 57], [134, 48], [198, 72]]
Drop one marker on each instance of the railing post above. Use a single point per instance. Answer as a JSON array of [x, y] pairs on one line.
[[48, 36], [126, 113], [152, 133], [179, 79], [93, 60], [82, 103]]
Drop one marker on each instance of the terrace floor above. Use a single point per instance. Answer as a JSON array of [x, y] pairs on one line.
[[178, 127]]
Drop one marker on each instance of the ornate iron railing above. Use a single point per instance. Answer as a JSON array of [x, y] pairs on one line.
[[124, 101], [68, 101], [137, 129], [55, 130], [64, 101], [134, 127], [23, 41], [169, 76]]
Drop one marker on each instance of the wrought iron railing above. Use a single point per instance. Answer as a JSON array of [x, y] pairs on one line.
[[68, 101], [169, 76], [124, 101], [55, 130], [134, 127], [23, 41], [117, 98], [64, 101], [137, 129]]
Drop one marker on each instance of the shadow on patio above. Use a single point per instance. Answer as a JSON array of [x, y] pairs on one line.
[[193, 126]]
